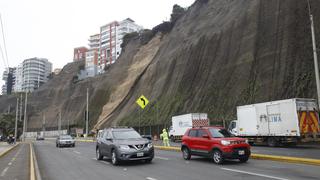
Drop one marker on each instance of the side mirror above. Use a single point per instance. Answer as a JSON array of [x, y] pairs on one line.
[[205, 136]]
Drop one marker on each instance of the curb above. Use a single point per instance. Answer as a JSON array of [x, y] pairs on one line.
[[8, 150], [166, 148], [85, 140], [286, 159]]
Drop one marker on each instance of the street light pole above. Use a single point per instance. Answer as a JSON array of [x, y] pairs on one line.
[[87, 113], [315, 57], [25, 116], [16, 123]]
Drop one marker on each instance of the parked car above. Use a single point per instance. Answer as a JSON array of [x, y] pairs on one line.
[[216, 143], [39, 137], [65, 140], [123, 144]]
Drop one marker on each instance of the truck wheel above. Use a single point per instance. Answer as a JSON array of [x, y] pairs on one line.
[[186, 153], [272, 142], [217, 157], [172, 139]]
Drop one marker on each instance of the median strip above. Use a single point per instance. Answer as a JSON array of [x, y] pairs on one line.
[[8, 150], [262, 157], [34, 168], [286, 159]]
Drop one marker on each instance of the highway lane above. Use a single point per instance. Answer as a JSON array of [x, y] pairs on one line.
[[15, 164], [303, 151], [80, 163]]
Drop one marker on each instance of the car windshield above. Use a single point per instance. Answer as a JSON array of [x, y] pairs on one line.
[[65, 137], [126, 134], [219, 133]]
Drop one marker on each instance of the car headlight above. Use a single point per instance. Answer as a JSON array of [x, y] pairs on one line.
[[150, 145], [225, 143], [124, 147]]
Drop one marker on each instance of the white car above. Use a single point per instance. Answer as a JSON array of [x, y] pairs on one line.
[[65, 140]]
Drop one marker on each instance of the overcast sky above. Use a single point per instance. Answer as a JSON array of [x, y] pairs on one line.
[[52, 28]]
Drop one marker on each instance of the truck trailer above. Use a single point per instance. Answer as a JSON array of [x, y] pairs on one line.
[[286, 122], [181, 123]]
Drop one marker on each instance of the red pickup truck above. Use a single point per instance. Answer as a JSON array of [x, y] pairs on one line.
[[216, 143]]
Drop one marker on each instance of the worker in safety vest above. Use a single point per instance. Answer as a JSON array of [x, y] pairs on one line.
[[165, 138]]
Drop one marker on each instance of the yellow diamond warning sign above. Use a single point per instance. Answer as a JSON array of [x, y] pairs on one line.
[[142, 101]]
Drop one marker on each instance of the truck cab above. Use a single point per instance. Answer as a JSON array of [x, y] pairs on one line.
[[233, 127]]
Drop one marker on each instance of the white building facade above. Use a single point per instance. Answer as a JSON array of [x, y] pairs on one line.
[[35, 72], [111, 39]]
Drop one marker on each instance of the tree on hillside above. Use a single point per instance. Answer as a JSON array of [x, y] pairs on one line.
[[177, 12]]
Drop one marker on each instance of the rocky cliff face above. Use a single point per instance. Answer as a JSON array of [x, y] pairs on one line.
[[218, 55]]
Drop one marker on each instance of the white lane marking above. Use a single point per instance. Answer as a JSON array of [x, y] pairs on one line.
[[150, 178], [94, 158], [4, 172], [10, 163], [104, 162], [77, 152], [254, 174], [162, 158]]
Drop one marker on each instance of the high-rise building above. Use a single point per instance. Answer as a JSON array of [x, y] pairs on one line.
[[94, 41], [79, 54], [92, 55], [9, 78], [18, 79], [35, 72], [111, 36]]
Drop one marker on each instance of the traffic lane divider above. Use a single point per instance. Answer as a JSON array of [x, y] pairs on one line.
[[286, 159], [34, 168], [8, 150]]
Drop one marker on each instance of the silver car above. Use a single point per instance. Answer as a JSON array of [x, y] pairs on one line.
[[65, 140]]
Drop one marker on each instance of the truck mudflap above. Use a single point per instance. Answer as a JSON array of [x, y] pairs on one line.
[[309, 126]]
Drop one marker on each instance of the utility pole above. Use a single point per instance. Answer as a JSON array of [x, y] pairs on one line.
[[20, 113], [16, 123], [315, 57], [59, 123], [87, 113], [44, 123], [68, 127], [25, 116]]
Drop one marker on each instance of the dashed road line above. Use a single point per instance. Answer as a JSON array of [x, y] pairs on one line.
[[254, 174], [3, 173], [162, 158], [150, 178], [77, 152]]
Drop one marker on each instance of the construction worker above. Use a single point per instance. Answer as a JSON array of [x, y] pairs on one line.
[[165, 138]]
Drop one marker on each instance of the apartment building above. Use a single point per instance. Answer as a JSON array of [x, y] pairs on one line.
[[111, 36], [79, 54], [35, 72]]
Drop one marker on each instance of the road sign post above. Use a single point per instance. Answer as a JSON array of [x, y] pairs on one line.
[[142, 102]]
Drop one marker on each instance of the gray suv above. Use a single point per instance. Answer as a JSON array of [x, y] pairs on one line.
[[123, 144]]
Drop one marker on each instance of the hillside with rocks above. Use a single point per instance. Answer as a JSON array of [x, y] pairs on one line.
[[209, 58]]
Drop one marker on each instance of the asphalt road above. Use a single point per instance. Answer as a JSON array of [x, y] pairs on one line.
[[15, 164], [80, 163], [303, 151]]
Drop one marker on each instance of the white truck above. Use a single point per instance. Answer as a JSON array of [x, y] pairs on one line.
[[181, 123], [287, 121]]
